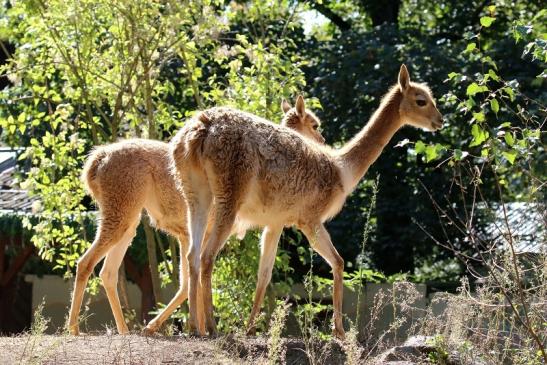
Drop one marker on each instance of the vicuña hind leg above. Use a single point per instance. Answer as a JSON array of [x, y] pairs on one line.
[[108, 235], [221, 228], [109, 276], [198, 198]]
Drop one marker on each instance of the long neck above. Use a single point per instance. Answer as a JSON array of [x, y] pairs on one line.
[[363, 150]]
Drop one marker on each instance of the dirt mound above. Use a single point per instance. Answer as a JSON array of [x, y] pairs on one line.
[[138, 349]]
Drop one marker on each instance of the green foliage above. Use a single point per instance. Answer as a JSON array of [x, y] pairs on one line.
[[89, 72], [485, 92], [440, 354]]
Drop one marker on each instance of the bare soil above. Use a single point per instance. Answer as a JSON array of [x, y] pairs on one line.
[[138, 349]]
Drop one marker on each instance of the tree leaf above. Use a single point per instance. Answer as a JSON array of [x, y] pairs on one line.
[[474, 88], [493, 75], [487, 21], [509, 93], [479, 117], [510, 156], [433, 151], [419, 147], [479, 135], [21, 118], [509, 139], [470, 47], [494, 105], [430, 153]]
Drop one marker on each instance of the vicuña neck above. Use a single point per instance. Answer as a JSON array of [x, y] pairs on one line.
[[363, 149]]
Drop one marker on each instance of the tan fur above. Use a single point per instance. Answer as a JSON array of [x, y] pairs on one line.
[[267, 175], [124, 178]]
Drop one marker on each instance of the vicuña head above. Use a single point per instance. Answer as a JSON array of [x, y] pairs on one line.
[[301, 120], [417, 107]]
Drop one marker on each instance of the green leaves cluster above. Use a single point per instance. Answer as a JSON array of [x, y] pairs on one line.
[[90, 72], [503, 128]]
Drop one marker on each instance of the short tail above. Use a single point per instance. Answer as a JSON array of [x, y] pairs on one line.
[[188, 144], [90, 172]]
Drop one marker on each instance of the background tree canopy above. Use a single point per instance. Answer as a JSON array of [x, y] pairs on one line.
[[79, 74]]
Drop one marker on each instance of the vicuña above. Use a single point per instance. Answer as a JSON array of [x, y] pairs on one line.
[[262, 174]]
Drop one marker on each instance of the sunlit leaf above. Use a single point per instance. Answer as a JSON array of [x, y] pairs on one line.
[[479, 117], [509, 91], [470, 47], [487, 21], [479, 135], [494, 105], [474, 89], [419, 147], [493, 75], [510, 156]]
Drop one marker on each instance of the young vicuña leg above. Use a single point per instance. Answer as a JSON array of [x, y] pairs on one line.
[[109, 277], [108, 235], [181, 294]]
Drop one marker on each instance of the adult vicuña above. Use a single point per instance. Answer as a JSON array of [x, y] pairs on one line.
[[269, 176], [126, 177]]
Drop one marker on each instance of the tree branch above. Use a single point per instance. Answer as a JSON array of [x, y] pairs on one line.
[[18, 263], [336, 19]]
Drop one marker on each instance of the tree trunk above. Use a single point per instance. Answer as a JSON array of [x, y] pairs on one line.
[[9, 271], [175, 259], [152, 258], [381, 12], [122, 287], [144, 281]]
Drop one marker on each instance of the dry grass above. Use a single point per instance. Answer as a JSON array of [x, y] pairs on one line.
[[137, 349], [105, 349]]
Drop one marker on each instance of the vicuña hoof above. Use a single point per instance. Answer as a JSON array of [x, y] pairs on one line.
[[149, 330]]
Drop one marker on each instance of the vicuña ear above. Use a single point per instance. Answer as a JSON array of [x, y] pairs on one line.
[[404, 78], [300, 106], [285, 106]]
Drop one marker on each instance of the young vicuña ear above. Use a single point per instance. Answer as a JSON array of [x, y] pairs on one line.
[[404, 78], [285, 106], [300, 106]]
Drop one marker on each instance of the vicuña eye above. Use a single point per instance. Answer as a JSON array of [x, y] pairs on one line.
[[315, 126], [421, 102]]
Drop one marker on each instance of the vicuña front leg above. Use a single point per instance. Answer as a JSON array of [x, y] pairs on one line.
[[320, 241], [268, 250]]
